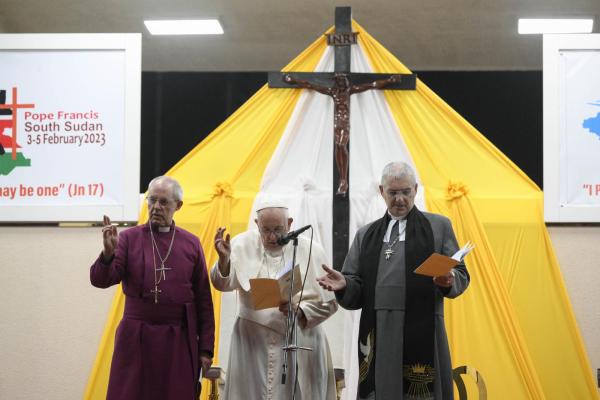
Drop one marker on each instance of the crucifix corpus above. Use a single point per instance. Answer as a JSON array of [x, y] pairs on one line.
[[340, 85]]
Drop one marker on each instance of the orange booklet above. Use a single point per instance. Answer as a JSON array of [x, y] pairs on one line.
[[269, 293], [439, 265]]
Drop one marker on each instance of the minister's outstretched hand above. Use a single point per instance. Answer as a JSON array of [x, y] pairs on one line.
[[333, 280]]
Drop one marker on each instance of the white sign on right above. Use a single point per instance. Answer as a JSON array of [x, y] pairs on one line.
[[580, 127], [572, 128]]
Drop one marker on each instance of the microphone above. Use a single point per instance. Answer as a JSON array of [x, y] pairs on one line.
[[283, 240]]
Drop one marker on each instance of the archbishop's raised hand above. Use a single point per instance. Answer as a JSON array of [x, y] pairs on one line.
[[333, 280], [109, 237]]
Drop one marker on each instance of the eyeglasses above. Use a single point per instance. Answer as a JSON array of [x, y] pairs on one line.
[[400, 193], [153, 200], [279, 231]]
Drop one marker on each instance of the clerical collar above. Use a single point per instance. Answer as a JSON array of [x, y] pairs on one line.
[[396, 218], [162, 229], [401, 228], [274, 253]]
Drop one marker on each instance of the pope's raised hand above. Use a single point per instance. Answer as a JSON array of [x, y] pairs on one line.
[[333, 280], [222, 245], [110, 238]]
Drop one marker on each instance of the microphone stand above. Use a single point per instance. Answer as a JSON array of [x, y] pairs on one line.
[[291, 333]]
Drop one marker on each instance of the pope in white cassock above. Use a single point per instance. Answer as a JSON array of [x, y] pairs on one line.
[[256, 355]]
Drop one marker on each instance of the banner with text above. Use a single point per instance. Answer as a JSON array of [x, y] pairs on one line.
[[63, 134], [580, 128]]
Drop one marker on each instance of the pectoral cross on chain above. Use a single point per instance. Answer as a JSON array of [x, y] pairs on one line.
[[161, 271], [388, 253], [156, 291]]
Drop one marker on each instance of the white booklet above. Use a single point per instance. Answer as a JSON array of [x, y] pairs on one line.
[[463, 251], [286, 268]]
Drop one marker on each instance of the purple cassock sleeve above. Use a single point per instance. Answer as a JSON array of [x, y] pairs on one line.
[[103, 273]]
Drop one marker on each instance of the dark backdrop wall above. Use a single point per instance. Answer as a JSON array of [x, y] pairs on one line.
[[180, 109]]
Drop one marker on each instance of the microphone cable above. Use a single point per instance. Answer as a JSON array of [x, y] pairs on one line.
[[312, 232]]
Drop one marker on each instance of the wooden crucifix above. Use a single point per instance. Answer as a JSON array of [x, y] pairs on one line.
[[340, 85]]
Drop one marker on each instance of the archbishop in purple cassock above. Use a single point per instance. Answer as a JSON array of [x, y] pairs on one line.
[[167, 332]]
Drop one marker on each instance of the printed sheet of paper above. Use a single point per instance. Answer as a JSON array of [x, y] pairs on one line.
[[269, 293]]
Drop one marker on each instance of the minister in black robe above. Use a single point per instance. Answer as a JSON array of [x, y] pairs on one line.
[[403, 348]]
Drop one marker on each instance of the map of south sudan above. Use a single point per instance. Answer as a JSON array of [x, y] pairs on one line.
[[593, 124]]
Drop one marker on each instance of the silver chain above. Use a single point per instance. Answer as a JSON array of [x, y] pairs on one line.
[[162, 260], [393, 243], [389, 252], [267, 264]]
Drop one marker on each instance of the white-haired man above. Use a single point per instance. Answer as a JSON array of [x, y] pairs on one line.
[[167, 332], [403, 349], [256, 355]]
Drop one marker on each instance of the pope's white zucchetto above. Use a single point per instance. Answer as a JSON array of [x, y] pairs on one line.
[[270, 202]]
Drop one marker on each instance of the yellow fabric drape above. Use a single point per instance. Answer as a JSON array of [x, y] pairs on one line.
[[497, 329], [515, 324], [220, 178]]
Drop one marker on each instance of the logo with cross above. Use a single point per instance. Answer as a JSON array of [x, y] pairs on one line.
[[10, 154]]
